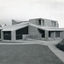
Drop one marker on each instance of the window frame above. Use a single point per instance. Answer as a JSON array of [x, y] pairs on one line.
[[58, 34], [39, 21], [53, 23], [7, 35]]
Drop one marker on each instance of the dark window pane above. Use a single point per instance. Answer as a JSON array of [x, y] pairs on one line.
[[7, 35], [57, 34], [39, 21], [20, 32], [18, 36], [49, 34]]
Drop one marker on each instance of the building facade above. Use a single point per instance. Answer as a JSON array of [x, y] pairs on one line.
[[43, 29]]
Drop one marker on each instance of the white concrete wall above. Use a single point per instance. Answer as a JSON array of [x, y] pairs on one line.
[[47, 23], [13, 36], [34, 33]]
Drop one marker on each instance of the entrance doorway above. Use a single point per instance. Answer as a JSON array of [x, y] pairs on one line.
[[42, 32]]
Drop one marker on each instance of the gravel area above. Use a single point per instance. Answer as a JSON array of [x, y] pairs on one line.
[[27, 54]]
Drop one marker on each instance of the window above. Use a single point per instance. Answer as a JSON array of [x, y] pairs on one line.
[[20, 32], [43, 22], [7, 35], [53, 23], [57, 34], [49, 34], [39, 21], [18, 36]]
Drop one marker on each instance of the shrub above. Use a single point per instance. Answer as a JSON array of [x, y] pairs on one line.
[[61, 45]]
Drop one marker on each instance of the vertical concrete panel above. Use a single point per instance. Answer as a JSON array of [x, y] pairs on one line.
[[34, 21], [57, 25], [1, 35], [42, 22], [47, 22], [62, 35], [13, 36], [53, 35], [46, 35], [34, 33]]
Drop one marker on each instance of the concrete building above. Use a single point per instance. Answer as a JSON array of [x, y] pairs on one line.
[[43, 29]]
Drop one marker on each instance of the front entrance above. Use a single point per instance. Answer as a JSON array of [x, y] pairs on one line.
[[42, 32]]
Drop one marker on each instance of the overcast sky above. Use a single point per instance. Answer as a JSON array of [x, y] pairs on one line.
[[28, 9]]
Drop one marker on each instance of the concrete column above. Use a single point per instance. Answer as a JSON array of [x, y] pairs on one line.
[[41, 23], [61, 36], [53, 35], [1, 35], [13, 37], [46, 35]]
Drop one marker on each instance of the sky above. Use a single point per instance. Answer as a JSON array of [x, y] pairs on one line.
[[23, 10]]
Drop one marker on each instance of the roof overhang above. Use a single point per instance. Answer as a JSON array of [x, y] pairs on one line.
[[14, 27], [55, 29], [22, 25], [47, 28]]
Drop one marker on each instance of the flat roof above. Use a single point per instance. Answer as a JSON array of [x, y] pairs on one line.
[[25, 24], [42, 19]]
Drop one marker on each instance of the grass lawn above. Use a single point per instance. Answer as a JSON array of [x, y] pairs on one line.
[[27, 54]]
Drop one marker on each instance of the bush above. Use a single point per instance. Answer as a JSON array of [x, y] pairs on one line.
[[61, 45]]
